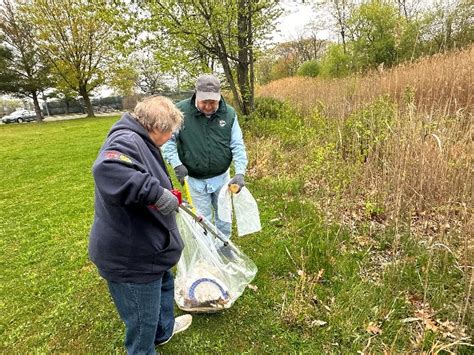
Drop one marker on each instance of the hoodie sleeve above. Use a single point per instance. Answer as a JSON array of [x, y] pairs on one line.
[[120, 176]]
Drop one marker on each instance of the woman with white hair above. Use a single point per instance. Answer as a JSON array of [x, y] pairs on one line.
[[134, 240]]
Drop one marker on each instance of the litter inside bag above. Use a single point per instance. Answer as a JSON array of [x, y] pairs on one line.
[[245, 209], [210, 276]]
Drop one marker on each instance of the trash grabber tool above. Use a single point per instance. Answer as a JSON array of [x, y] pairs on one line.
[[201, 220], [187, 194]]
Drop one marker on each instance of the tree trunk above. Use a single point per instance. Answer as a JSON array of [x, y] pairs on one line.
[[448, 34], [230, 79], [46, 104], [243, 63], [87, 102], [39, 115], [252, 82], [251, 68], [343, 36], [242, 75]]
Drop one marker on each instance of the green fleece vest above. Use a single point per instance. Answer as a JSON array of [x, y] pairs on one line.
[[204, 143]]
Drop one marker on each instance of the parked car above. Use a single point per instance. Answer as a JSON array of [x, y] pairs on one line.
[[20, 116]]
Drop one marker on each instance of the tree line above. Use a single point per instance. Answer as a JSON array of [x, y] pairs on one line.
[[68, 48], [74, 46], [373, 34]]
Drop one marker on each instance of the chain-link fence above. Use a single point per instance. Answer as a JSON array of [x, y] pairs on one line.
[[100, 105]]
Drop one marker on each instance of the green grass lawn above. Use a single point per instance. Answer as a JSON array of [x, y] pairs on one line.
[[52, 299]]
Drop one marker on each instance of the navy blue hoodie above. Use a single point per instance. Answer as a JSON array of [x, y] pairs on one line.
[[130, 240]]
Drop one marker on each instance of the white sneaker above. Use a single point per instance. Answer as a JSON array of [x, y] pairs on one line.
[[181, 323]]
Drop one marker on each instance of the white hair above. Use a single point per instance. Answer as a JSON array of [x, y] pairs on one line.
[[158, 112]]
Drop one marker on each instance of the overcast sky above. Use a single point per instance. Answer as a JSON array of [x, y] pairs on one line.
[[297, 15]]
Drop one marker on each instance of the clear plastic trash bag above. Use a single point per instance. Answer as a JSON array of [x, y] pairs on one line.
[[210, 277], [245, 209]]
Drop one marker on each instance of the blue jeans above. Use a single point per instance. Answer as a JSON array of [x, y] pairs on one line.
[[206, 204], [147, 309]]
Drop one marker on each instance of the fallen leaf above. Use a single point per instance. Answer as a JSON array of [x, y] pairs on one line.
[[430, 325], [253, 287], [447, 325], [425, 315], [320, 275], [318, 323], [410, 319], [449, 335], [373, 328]]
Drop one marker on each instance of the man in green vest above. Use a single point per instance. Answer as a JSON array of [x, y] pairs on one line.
[[204, 148]]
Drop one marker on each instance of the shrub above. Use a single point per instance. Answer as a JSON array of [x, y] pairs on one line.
[[366, 128], [279, 121], [270, 109], [309, 68], [336, 63]]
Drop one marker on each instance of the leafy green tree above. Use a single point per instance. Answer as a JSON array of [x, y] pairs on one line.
[[282, 68], [150, 77], [183, 64], [225, 30], [77, 37], [25, 73], [263, 69], [309, 68], [374, 28], [410, 40], [335, 63], [6, 73], [123, 77]]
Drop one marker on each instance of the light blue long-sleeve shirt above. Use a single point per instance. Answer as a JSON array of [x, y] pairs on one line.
[[239, 157]]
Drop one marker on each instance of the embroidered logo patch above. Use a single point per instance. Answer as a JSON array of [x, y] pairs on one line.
[[222, 123], [125, 158], [113, 154]]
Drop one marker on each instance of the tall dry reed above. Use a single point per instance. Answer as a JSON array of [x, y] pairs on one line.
[[407, 160], [442, 85], [421, 174]]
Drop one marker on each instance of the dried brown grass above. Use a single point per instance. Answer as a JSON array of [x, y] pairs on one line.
[[442, 83], [418, 179], [421, 176]]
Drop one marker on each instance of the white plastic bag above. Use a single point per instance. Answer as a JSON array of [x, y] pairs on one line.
[[210, 276], [246, 213], [224, 204], [245, 208]]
